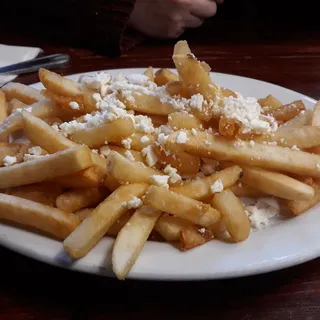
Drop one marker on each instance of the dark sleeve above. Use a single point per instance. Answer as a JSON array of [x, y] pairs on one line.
[[96, 24]]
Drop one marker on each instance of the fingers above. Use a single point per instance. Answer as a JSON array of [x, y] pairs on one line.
[[192, 21], [203, 8]]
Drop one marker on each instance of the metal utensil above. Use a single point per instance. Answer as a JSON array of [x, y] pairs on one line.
[[52, 61]]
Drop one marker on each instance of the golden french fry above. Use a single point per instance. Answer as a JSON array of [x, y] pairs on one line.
[[119, 224], [270, 103], [44, 193], [315, 121], [303, 138], [224, 92], [276, 184], [8, 149], [163, 76], [25, 94], [97, 224], [303, 119], [158, 120], [176, 89], [83, 213], [149, 73], [193, 236], [288, 111], [233, 215], [114, 131], [137, 155], [242, 190], [111, 183], [44, 218], [299, 207], [124, 170], [3, 107], [45, 168], [16, 104], [229, 128], [260, 155], [168, 201], [140, 140], [184, 120], [201, 189], [77, 199], [131, 240]]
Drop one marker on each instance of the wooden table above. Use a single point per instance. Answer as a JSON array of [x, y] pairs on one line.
[[33, 290]]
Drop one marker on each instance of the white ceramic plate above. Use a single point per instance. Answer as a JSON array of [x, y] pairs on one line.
[[287, 243]]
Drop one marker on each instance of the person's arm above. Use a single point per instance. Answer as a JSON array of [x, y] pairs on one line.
[[96, 24]]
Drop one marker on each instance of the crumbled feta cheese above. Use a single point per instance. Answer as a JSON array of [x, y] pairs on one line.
[[74, 105], [134, 203], [182, 137], [97, 97], [160, 180], [172, 173], [9, 161], [143, 124], [36, 151], [318, 166], [196, 102], [273, 143], [251, 143], [162, 139], [217, 186], [202, 230], [145, 139], [105, 150], [282, 140], [96, 81], [94, 151], [149, 154], [194, 131], [261, 211], [126, 143], [71, 127], [29, 109], [137, 79], [55, 127], [239, 144], [294, 147], [129, 155], [207, 142]]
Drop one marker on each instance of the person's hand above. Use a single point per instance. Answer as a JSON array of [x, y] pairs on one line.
[[170, 18]]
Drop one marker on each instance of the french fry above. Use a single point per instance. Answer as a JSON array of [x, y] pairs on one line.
[[44, 193], [77, 199], [163, 199], [123, 169], [111, 183], [303, 119], [201, 189], [288, 111], [131, 240], [260, 155], [176, 89], [233, 215], [147, 104], [16, 104], [137, 144], [45, 168], [97, 224], [315, 120], [299, 207], [276, 184], [163, 76], [169, 227], [224, 92], [242, 190], [194, 236], [25, 94], [150, 74], [83, 213], [229, 128], [158, 120], [119, 224], [114, 131], [44, 218], [137, 155], [304, 137], [270, 103], [184, 120], [8, 149], [3, 106]]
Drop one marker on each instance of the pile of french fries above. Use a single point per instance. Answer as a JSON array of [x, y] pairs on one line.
[[82, 186]]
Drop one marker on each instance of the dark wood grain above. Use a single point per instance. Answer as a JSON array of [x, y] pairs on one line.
[[33, 290]]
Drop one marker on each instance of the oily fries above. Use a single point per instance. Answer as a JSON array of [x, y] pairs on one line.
[[201, 189], [8, 150], [276, 184], [270, 103], [315, 120], [184, 120], [171, 202], [46, 167], [15, 104], [114, 131], [268, 156], [176, 89], [242, 190], [3, 106], [233, 215], [303, 119], [44, 218], [150, 74], [25, 94], [131, 240], [140, 140], [137, 155], [299, 207], [95, 226], [193, 236], [163, 76], [74, 200], [288, 111]]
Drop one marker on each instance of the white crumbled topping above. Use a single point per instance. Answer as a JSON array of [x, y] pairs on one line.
[[239, 144], [294, 147], [208, 169], [164, 129], [282, 140], [202, 230], [138, 79], [134, 203], [145, 139], [194, 131], [126, 143], [34, 153], [55, 127], [206, 142], [248, 112], [95, 151], [318, 166], [261, 211], [182, 137], [97, 97], [29, 109], [162, 138], [71, 127], [143, 124], [124, 204], [251, 143], [196, 102], [9, 161], [129, 155], [105, 150], [150, 156], [74, 105], [217, 186], [95, 82], [273, 143], [160, 180], [172, 173]]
